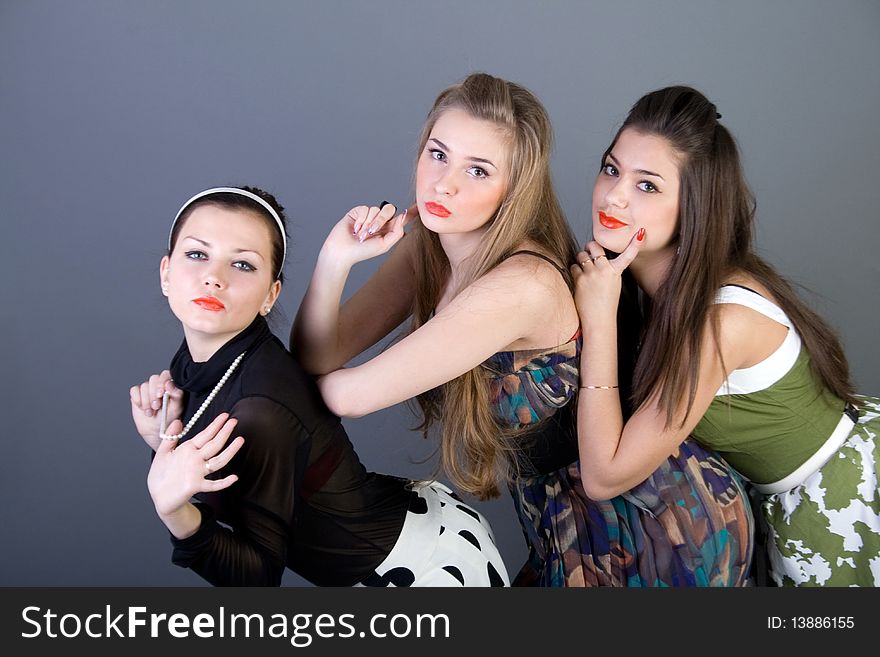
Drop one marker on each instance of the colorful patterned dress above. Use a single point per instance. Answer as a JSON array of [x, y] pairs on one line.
[[688, 524], [813, 459]]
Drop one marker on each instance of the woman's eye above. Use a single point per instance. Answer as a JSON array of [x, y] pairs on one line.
[[196, 255], [243, 265], [478, 172], [647, 186], [610, 170], [437, 154]]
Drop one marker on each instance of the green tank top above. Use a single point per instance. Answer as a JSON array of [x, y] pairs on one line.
[[769, 419]]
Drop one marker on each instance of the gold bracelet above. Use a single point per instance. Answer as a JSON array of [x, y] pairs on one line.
[[597, 387]]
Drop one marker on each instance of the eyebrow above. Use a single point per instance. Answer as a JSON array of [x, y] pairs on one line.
[[482, 160], [208, 244], [644, 172]]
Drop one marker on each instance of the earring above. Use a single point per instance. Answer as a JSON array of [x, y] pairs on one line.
[[165, 288]]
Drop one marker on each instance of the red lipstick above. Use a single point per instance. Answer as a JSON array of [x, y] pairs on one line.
[[610, 222], [437, 209], [209, 303]]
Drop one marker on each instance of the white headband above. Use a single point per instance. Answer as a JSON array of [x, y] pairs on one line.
[[240, 192]]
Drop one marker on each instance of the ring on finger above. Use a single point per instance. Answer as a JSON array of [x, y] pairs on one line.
[[599, 256], [584, 262], [208, 467]]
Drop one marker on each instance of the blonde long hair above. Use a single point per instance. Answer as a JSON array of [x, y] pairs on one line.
[[471, 441]]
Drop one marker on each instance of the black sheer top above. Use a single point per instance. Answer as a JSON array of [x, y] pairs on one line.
[[303, 499]]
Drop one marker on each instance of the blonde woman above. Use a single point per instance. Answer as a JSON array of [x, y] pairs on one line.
[[493, 352]]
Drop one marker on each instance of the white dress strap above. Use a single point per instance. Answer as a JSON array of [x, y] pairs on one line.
[[764, 374], [751, 299]]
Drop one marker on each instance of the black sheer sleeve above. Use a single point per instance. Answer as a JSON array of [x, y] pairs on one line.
[[249, 548]]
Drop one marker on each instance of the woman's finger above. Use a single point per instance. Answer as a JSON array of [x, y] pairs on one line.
[[146, 403], [174, 393], [394, 231], [164, 379], [213, 446], [385, 214], [623, 261], [583, 258], [372, 213], [167, 446], [135, 393], [376, 218], [174, 427], [595, 251], [357, 215], [211, 485], [220, 461], [217, 425], [157, 389]]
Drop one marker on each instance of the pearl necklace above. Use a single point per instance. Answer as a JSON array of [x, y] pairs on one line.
[[205, 404]]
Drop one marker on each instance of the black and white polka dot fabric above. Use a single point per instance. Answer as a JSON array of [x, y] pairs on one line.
[[444, 542]]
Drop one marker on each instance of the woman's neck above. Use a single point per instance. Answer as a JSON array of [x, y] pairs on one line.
[[202, 346], [651, 269], [461, 246]]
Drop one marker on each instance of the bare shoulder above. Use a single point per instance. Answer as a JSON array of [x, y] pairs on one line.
[[735, 320], [533, 274], [747, 336], [537, 293], [522, 284]]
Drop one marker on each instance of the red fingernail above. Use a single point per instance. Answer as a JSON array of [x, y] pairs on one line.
[[640, 235]]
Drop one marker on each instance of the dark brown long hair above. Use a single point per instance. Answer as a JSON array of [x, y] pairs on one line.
[[715, 239], [471, 441]]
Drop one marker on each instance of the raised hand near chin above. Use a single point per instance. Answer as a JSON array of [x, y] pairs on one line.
[[597, 280], [366, 232]]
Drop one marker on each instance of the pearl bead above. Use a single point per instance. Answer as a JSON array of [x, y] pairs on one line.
[[198, 413]]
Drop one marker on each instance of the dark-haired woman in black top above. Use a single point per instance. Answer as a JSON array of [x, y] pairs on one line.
[[289, 489]]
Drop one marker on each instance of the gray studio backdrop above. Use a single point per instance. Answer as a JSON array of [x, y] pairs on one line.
[[113, 113]]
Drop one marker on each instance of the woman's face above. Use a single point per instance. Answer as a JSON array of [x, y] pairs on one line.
[[219, 275], [462, 174], [637, 188]]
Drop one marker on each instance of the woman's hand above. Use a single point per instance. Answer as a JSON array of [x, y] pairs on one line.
[[597, 281], [146, 406], [179, 471], [366, 232]]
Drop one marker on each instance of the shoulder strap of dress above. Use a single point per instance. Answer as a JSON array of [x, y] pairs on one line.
[[745, 296], [543, 257]]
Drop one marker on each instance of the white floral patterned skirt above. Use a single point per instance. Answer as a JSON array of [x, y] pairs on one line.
[[826, 531]]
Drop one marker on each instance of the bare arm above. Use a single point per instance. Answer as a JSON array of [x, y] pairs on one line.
[[615, 456], [324, 335], [509, 303]]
